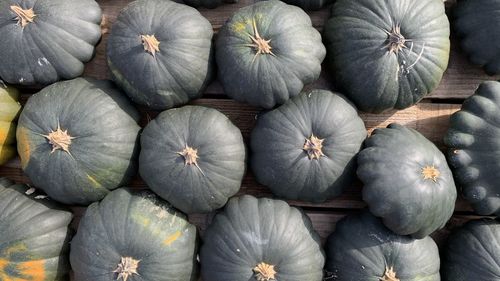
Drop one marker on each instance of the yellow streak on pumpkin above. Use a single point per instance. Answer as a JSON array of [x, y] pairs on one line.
[[23, 144], [172, 238], [93, 181], [239, 26]]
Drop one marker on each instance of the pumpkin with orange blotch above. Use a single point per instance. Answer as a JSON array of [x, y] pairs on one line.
[[10, 108]]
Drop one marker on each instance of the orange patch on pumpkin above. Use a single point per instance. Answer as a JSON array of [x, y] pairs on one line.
[[23, 145], [171, 238], [33, 270]]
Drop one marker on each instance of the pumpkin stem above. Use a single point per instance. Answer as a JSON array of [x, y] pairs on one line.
[[190, 157], [430, 173], [389, 275], [59, 139], [151, 44], [313, 146], [260, 44], [24, 16], [396, 39], [126, 268], [264, 272]]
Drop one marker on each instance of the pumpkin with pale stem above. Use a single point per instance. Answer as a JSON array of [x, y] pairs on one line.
[[134, 236], [407, 181], [34, 236], [473, 152], [160, 53], [317, 135], [387, 53], [261, 240], [363, 249], [266, 52], [44, 41], [9, 110], [193, 157], [78, 139], [473, 252], [205, 3]]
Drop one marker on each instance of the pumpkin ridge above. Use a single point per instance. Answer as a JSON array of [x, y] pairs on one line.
[[24, 16], [264, 272]]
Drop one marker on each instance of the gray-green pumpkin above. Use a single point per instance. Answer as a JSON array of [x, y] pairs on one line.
[[160, 53], [34, 236], [474, 148], [134, 236], [78, 139], [193, 157], [309, 4], [44, 41], [407, 181], [387, 54], [267, 52], [306, 149]]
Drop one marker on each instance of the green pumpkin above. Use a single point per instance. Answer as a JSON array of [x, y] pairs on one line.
[[407, 181], [261, 240], [133, 236], [309, 4], [387, 54], [159, 52], [363, 249], [193, 157], [44, 41], [267, 52], [306, 149], [473, 252], [205, 3], [473, 148], [34, 236], [476, 23], [78, 139], [10, 109]]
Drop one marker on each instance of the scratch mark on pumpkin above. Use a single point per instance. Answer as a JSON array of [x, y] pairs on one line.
[[43, 61], [93, 181], [172, 238]]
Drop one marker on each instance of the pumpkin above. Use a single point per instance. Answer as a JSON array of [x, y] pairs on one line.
[[473, 150], [44, 41], [309, 4], [387, 53], [193, 157], [77, 140], [306, 149], [476, 23], [10, 108], [473, 252], [407, 181], [133, 236], [266, 52], [205, 3], [363, 249], [262, 240], [159, 52], [35, 236]]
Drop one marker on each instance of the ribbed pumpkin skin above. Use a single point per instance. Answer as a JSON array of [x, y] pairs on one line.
[[309, 4], [476, 23], [34, 236], [266, 80], [473, 148], [362, 249], [473, 252], [252, 230], [205, 3], [220, 167], [136, 225], [391, 167], [279, 160], [54, 46], [372, 76], [182, 67], [102, 154], [9, 110]]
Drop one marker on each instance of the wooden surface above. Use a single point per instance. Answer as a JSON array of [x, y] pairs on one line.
[[430, 117]]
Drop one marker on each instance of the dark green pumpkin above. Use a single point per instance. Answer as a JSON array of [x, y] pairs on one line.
[[363, 249], [134, 236], [44, 41], [193, 157], [9, 111], [261, 240], [473, 252], [34, 236], [159, 52], [266, 52], [474, 149], [77, 140], [476, 23], [306, 148], [407, 181], [387, 53], [205, 3], [309, 4]]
